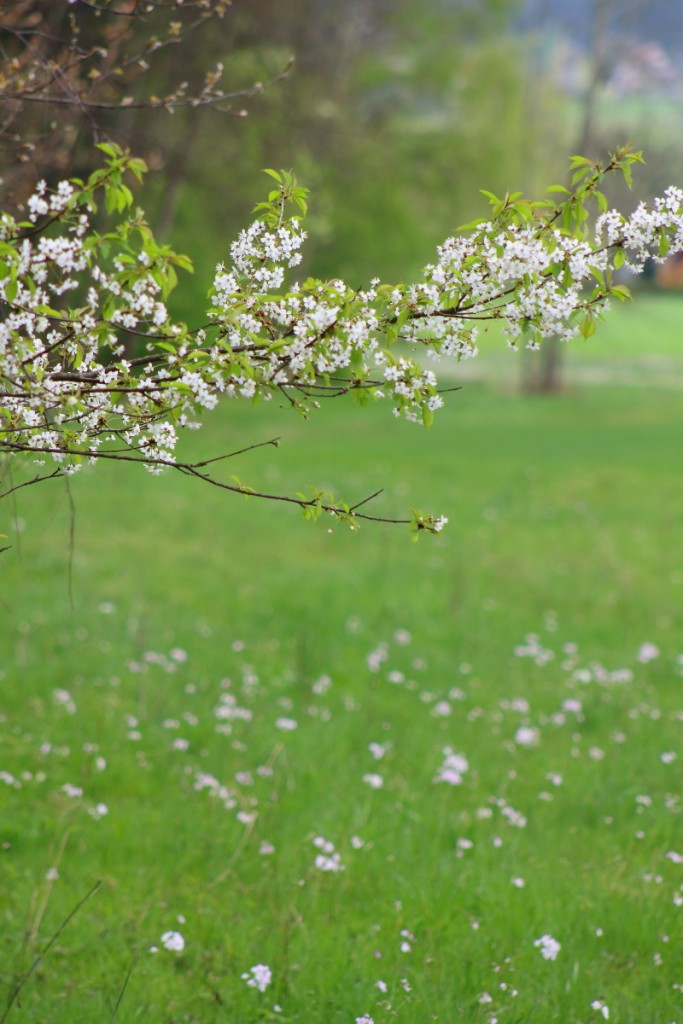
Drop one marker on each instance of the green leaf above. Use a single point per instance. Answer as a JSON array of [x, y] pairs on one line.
[[621, 292], [578, 176], [601, 200], [493, 200], [108, 148], [170, 281], [125, 197], [273, 174], [472, 224], [427, 416], [580, 161], [184, 262], [137, 167], [301, 203]]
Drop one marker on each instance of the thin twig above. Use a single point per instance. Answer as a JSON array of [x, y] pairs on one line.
[[365, 500], [192, 469], [275, 441], [27, 483]]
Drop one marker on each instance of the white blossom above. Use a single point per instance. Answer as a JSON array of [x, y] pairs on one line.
[[259, 977], [548, 946], [70, 396], [173, 941]]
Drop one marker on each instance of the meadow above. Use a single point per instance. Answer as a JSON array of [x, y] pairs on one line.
[[327, 778]]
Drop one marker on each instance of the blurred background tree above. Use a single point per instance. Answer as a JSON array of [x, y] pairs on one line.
[[394, 121], [79, 72], [394, 117], [619, 66]]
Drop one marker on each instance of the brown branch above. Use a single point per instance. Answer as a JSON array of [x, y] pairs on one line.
[[28, 483], [275, 442], [192, 469], [203, 99], [84, 104]]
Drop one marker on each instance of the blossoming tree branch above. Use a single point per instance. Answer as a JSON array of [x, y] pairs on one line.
[[74, 295]]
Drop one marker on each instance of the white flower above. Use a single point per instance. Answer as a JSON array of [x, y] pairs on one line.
[[527, 736], [63, 698], [321, 685], [98, 811], [373, 781], [286, 724], [75, 792], [647, 652], [453, 768], [602, 1008], [259, 977], [331, 862], [548, 946], [173, 941]]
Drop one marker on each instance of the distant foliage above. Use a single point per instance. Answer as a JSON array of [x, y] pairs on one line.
[[78, 71]]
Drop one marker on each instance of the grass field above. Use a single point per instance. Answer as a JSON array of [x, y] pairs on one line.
[[396, 774]]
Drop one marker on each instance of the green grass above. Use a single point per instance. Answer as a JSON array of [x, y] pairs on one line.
[[565, 522]]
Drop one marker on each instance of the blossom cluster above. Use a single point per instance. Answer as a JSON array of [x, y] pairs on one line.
[[259, 977], [548, 946], [93, 365], [650, 232]]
